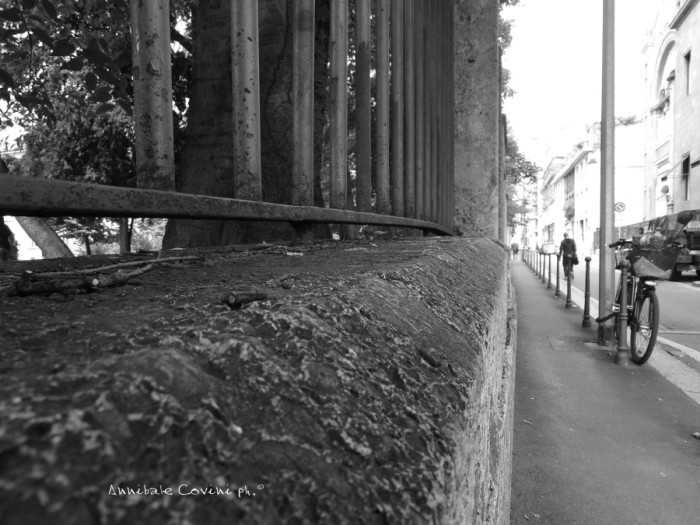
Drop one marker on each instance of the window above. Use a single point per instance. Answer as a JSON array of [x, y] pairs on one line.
[[685, 173], [687, 72]]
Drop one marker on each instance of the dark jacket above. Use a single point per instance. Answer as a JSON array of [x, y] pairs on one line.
[[567, 247]]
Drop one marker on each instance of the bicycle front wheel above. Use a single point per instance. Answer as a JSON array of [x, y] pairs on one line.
[[645, 327]]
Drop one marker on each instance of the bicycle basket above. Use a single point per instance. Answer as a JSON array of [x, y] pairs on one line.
[[654, 263]]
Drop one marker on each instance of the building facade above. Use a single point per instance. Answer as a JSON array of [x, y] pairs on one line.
[[570, 189], [672, 77]]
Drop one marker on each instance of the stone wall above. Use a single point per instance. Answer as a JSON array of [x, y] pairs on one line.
[[477, 74], [360, 382]]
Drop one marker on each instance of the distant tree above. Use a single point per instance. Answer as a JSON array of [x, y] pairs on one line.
[[521, 175]]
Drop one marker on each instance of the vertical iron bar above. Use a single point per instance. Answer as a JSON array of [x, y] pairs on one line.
[[435, 103], [451, 114], [303, 102], [549, 270], [363, 138], [409, 150], [383, 205], [439, 102], [397, 109], [557, 292], [338, 117], [153, 114], [427, 109], [419, 21], [247, 166], [442, 99]]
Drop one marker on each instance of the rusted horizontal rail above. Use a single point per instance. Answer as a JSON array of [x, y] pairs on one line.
[[54, 198]]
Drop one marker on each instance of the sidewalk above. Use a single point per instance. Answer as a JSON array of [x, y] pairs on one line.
[[594, 443], [687, 379]]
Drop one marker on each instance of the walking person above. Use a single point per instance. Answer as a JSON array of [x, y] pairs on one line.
[[567, 249]]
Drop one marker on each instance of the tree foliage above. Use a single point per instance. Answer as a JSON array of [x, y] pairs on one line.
[[65, 79], [521, 176], [85, 141], [37, 37]]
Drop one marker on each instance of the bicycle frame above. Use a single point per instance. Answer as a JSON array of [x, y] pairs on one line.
[[635, 291]]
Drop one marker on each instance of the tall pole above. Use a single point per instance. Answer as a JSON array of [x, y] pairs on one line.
[[607, 173]]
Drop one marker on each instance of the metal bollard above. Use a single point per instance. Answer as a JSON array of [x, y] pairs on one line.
[[542, 255], [557, 292], [568, 289], [587, 296], [541, 274], [549, 270], [623, 349], [544, 267]]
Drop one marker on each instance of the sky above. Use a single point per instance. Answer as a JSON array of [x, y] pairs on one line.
[[555, 64]]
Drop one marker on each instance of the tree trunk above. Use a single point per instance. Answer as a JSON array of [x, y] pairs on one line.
[[8, 245], [50, 244], [207, 160], [125, 235]]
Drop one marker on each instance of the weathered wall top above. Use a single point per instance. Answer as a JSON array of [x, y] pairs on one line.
[[362, 382]]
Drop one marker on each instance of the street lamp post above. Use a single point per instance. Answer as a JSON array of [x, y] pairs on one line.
[[607, 181]]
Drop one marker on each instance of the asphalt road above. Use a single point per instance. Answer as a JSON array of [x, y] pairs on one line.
[[594, 442]]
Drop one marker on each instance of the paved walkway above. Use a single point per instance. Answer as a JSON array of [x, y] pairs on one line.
[[595, 443]]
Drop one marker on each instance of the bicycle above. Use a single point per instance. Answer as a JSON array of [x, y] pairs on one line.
[[642, 303]]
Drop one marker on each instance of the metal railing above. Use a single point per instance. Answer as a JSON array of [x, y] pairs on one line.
[[413, 131]]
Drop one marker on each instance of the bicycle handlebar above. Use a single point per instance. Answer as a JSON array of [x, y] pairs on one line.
[[622, 242], [617, 243]]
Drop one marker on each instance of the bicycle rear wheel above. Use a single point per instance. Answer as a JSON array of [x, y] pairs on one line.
[[645, 327]]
